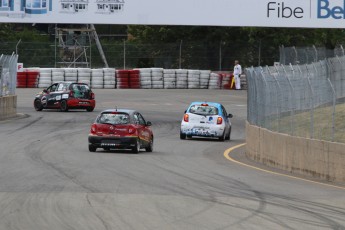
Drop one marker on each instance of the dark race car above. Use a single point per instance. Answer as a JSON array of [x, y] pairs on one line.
[[121, 129], [65, 96]]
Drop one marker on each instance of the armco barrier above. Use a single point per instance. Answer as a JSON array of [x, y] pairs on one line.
[[316, 158], [8, 106]]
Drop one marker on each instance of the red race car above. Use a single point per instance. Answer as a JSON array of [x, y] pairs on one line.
[[121, 129], [65, 96]]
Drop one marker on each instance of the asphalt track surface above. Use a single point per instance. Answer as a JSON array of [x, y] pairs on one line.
[[49, 179]]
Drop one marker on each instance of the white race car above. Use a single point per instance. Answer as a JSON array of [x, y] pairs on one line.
[[206, 119]]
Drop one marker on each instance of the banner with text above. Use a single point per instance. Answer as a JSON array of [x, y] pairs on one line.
[[258, 13]]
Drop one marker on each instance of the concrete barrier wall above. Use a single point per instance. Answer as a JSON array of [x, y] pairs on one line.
[[8, 106], [320, 159]]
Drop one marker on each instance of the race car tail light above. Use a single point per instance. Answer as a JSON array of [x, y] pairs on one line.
[[186, 117], [219, 121], [92, 96], [93, 129]]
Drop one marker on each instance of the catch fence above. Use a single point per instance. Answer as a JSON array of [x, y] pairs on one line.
[[299, 100], [8, 74]]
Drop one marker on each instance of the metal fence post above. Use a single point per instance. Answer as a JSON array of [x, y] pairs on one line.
[[312, 104]]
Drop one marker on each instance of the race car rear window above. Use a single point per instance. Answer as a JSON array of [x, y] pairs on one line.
[[113, 118], [80, 87], [203, 110]]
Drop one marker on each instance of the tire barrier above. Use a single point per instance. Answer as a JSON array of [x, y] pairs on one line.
[[45, 78], [142, 78], [157, 78], [227, 81], [58, 75], [181, 79], [204, 78], [96, 78], [109, 78], [193, 79], [84, 75], [145, 78], [122, 79], [215, 81], [28, 78], [169, 78], [134, 79]]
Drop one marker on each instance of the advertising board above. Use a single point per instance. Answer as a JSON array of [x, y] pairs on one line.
[[258, 13]]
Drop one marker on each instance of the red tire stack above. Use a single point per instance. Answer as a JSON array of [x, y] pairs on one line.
[[122, 79], [227, 81], [28, 79], [134, 79], [21, 79], [32, 78]]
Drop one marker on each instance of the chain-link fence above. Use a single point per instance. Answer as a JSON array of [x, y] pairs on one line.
[[8, 74], [307, 55], [299, 100], [215, 56]]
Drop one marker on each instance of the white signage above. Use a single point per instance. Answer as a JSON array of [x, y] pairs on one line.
[[259, 13]]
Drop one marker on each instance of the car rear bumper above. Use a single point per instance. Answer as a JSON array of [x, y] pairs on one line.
[[113, 142], [81, 104], [202, 131]]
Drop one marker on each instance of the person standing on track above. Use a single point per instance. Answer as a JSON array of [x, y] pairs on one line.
[[237, 74]]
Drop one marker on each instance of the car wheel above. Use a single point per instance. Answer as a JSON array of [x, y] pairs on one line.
[[38, 105], [92, 148], [63, 106], [90, 109], [136, 148], [182, 136], [222, 138], [150, 147], [229, 134]]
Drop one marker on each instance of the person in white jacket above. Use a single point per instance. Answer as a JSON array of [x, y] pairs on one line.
[[237, 74]]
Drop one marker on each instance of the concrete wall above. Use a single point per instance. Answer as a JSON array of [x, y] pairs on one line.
[[320, 159], [8, 106]]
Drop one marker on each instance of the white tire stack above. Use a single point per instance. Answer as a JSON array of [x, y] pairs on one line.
[[71, 74], [204, 78], [109, 78], [193, 79], [181, 79], [157, 78], [215, 81], [145, 78], [84, 75], [169, 79], [97, 81], [58, 75], [45, 79]]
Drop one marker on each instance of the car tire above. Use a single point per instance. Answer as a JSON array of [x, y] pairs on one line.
[[136, 148], [89, 109], [63, 106], [222, 138], [38, 105], [92, 148], [228, 136], [149, 148], [182, 136]]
